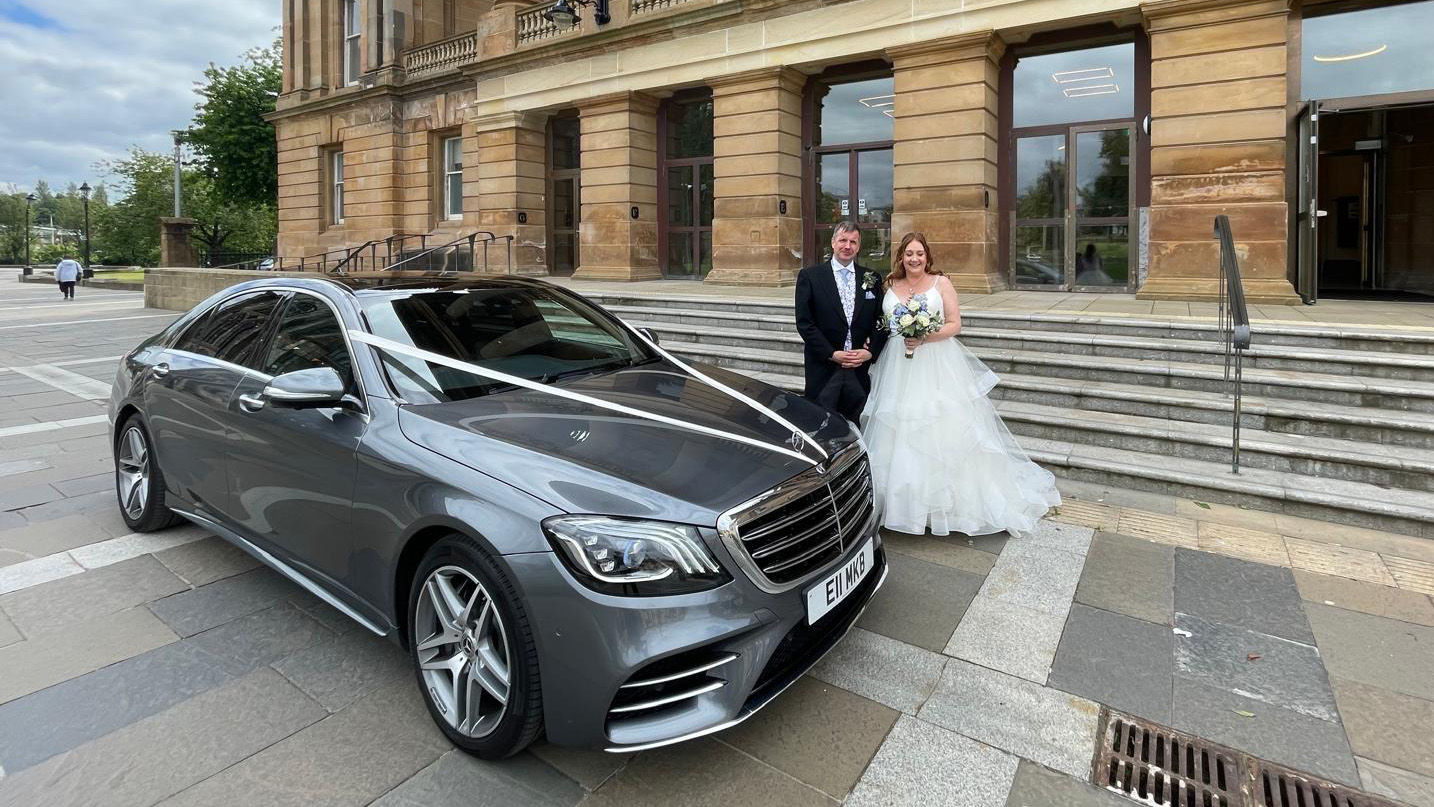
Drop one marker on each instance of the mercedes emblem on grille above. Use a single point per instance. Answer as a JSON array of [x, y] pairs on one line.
[[796, 440]]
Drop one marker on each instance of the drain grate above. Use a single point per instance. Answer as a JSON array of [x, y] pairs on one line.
[[1163, 767]]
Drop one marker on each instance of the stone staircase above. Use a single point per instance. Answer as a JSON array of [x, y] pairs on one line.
[[1338, 422]]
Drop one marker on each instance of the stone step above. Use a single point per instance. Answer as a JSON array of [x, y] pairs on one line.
[[1354, 503], [1395, 467], [781, 353]]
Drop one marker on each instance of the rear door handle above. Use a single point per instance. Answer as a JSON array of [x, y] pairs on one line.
[[251, 402], [159, 370]]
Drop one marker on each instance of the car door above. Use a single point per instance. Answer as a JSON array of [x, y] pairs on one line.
[[187, 392], [291, 471]]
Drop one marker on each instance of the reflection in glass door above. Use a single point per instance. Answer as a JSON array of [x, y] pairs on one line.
[[564, 195], [1071, 224]]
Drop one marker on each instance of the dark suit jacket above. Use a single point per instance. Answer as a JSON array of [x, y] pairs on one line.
[[822, 323]]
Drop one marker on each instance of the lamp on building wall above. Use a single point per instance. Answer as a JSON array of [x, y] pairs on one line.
[[565, 15]]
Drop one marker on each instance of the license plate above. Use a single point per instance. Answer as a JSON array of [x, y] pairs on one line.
[[827, 594]]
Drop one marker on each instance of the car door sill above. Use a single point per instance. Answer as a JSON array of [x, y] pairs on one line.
[[285, 569]]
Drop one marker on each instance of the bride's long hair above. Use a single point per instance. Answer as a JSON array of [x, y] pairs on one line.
[[898, 268]]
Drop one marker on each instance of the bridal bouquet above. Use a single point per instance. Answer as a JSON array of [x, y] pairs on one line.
[[915, 319]]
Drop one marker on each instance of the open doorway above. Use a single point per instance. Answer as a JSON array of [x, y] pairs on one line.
[[1374, 201]]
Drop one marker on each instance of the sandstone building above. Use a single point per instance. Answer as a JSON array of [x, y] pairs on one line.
[[1061, 144]]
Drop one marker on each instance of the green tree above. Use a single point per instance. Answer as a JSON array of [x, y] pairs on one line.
[[229, 132], [12, 227]]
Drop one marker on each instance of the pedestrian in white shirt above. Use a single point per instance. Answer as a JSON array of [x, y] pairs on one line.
[[67, 272]]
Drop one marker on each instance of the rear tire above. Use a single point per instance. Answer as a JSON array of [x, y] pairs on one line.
[[139, 483], [473, 651]]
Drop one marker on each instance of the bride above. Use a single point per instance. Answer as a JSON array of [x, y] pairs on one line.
[[941, 458]]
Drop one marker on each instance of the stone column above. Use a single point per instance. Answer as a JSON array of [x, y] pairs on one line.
[[175, 248], [757, 166], [619, 175], [512, 157], [945, 154], [1217, 146]]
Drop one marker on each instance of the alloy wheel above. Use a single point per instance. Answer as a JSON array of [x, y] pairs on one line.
[[133, 477], [462, 651]]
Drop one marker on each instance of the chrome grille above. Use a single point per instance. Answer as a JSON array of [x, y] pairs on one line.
[[801, 526]]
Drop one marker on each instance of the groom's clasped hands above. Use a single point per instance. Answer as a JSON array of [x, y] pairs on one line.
[[851, 359]]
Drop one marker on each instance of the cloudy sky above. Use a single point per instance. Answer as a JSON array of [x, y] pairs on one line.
[[82, 81]]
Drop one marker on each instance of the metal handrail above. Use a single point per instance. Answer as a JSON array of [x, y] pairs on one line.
[[1234, 326], [471, 240], [339, 267]]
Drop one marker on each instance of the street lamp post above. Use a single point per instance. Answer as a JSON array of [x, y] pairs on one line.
[[29, 200], [85, 195]]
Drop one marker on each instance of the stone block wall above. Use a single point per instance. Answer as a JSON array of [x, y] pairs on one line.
[[182, 289]]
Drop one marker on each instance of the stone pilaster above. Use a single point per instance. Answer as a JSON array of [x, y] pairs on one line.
[[512, 156], [757, 166], [945, 154], [1218, 127], [619, 175]]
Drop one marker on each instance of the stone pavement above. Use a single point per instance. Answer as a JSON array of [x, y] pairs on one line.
[[171, 669]]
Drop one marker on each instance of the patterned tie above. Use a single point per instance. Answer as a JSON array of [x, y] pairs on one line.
[[848, 301]]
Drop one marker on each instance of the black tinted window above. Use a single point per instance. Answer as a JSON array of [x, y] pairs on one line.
[[233, 329], [309, 336]]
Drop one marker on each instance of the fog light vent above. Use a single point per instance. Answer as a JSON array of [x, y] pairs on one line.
[[669, 683]]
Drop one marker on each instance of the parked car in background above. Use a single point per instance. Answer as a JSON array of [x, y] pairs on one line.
[[570, 531]]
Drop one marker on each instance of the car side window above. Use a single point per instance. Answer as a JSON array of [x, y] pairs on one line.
[[232, 330], [309, 336]]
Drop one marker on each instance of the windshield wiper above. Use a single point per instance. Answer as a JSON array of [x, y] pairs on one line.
[[548, 378]]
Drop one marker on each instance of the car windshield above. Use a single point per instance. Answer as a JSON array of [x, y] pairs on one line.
[[534, 333]]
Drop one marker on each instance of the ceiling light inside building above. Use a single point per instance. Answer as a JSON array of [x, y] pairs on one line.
[[877, 101], [1349, 57], [1090, 89], [1079, 76]]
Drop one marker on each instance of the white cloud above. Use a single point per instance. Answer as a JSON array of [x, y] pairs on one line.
[[81, 81]]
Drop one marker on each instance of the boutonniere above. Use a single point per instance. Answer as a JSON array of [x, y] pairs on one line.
[[869, 281]]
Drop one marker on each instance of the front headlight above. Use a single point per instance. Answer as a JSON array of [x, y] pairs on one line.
[[634, 558]]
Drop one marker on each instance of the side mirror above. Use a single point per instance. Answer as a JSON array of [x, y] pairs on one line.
[[650, 334], [315, 388]]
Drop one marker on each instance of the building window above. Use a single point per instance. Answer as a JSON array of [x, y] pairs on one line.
[[453, 178], [336, 186], [1365, 51], [852, 175], [352, 49], [686, 187]]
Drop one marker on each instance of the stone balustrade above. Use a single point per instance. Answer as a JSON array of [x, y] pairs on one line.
[[534, 27], [648, 6], [452, 52]]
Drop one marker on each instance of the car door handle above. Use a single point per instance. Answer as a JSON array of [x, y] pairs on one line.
[[251, 402], [159, 370]]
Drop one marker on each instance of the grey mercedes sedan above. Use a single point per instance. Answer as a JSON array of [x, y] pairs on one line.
[[571, 531]]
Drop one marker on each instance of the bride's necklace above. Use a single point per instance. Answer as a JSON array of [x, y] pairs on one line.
[[912, 287]]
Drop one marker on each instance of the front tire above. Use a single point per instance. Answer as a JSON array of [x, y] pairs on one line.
[[473, 651], [139, 484]]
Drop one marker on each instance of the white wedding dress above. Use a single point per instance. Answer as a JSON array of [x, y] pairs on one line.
[[941, 458]]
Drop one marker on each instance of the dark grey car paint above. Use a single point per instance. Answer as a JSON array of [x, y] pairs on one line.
[[346, 492]]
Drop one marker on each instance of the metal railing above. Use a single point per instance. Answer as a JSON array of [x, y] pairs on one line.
[[1234, 327], [459, 255]]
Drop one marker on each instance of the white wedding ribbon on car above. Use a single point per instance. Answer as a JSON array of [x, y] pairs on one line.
[[399, 348]]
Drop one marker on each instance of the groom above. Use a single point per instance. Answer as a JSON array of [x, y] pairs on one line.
[[839, 318]]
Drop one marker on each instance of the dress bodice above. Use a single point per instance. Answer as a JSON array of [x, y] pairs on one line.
[[891, 300]]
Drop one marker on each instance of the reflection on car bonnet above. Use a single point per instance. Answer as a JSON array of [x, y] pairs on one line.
[[400, 349]]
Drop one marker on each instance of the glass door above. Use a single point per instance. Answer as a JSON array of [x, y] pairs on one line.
[[856, 186], [564, 194], [1308, 213], [686, 187]]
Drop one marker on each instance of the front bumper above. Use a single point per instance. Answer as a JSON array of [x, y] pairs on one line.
[[590, 645]]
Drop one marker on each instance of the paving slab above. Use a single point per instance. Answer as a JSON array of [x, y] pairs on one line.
[[1129, 576], [267, 637], [1014, 639], [588, 767], [948, 551], [921, 764], [1033, 722], [1240, 593], [338, 670], [1050, 534], [1241, 542], [1411, 574], [133, 545], [1342, 561], [1373, 650], [1386, 726], [18, 498], [1396, 783], [345, 760], [161, 755], [34, 664], [207, 561], [1035, 577], [70, 714], [1366, 598], [817, 733], [49, 537], [1256, 665], [1118, 661], [9, 634], [1269, 732], [1036, 786], [206, 607], [327, 615], [921, 602], [459, 778], [60, 604], [703, 773], [887, 671]]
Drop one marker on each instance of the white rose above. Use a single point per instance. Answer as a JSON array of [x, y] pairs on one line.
[[923, 320], [906, 319]]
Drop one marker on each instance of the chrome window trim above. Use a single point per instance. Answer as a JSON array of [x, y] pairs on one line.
[[794, 488]]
